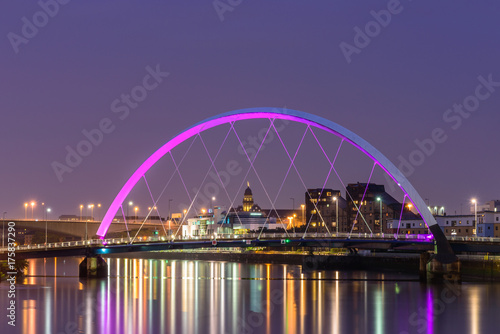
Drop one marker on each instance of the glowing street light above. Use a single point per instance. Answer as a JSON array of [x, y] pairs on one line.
[[46, 217], [336, 213], [135, 211], [129, 205], [381, 222], [81, 212], [475, 215], [91, 207], [3, 229], [32, 208], [25, 210], [303, 207]]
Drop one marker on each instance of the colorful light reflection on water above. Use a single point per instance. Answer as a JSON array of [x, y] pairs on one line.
[[165, 296]]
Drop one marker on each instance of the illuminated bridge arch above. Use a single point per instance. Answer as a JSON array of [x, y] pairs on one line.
[[445, 253]]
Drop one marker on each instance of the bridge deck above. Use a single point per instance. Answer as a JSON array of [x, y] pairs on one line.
[[410, 243]]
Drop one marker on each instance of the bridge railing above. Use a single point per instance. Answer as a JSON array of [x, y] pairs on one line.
[[248, 237]]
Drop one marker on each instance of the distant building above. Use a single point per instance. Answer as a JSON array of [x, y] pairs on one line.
[[406, 226], [321, 210], [248, 199], [488, 224], [456, 225], [364, 204], [240, 220], [493, 205]]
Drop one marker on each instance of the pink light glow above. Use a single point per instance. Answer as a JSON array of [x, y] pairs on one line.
[[256, 113]]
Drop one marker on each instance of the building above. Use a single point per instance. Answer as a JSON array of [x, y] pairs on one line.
[[321, 210], [367, 204], [493, 205], [406, 226], [456, 225], [488, 224], [248, 199], [246, 218]]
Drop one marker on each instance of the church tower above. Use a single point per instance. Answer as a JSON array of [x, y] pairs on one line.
[[247, 198]]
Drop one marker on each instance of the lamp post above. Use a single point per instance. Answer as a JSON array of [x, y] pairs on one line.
[[81, 212], [336, 213], [46, 217], [32, 208], [91, 207], [293, 209], [212, 203], [475, 216], [129, 205], [99, 211], [3, 229], [169, 214], [381, 222], [135, 211], [303, 207], [26, 211]]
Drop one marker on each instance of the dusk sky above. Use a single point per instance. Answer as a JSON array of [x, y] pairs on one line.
[[392, 89]]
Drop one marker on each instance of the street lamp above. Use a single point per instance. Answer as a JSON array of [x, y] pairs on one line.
[[26, 211], [3, 229], [91, 207], [475, 215], [81, 215], [46, 217], [135, 211], [98, 214], [381, 223], [336, 213], [32, 207], [129, 205], [212, 203], [303, 207]]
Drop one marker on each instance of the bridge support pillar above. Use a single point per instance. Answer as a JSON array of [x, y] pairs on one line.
[[439, 272], [424, 259], [93, 267]]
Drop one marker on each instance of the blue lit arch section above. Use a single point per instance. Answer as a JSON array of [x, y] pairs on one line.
[[444, 250]]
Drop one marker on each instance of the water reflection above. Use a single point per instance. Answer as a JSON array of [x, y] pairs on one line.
[[147, 296]]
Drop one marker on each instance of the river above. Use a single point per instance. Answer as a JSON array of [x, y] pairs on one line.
[[181, 296]]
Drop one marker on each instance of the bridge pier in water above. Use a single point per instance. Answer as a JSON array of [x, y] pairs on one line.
[[432, 269], [93, 267]]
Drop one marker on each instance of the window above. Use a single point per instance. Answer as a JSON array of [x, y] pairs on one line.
[[497, 218], [328, 194]]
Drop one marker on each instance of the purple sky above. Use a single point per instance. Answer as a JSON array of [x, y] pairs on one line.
[[394, 91]]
